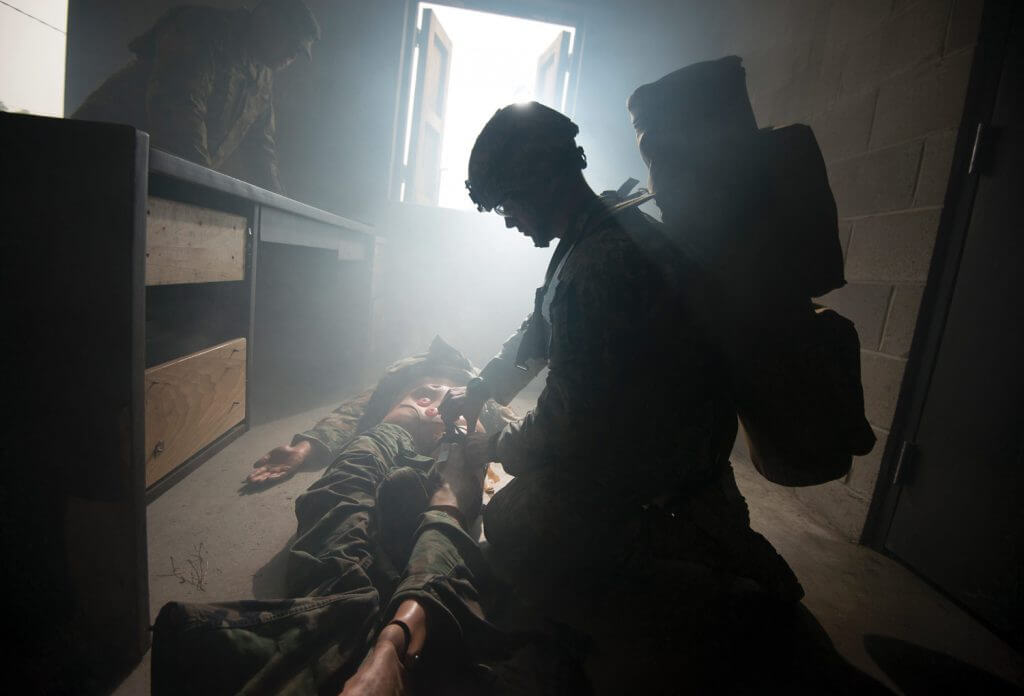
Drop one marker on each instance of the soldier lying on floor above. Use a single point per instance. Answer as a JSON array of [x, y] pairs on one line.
[[381, 506], [322, 443], [699, 605]]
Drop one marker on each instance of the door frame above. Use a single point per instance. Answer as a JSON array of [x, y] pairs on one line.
[[565, 13], [982, 90]]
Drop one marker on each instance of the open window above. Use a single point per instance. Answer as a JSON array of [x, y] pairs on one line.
[[462, 66], [423, 168], [553, 73]]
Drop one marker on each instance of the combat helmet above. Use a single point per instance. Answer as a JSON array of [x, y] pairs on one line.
[[522, 147]]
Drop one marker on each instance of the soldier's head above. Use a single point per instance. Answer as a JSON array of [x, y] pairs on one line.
[[416, 409], [522, 163], [283, 30]]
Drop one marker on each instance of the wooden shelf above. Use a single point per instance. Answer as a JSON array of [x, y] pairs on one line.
[[190, 402], [190, 244]]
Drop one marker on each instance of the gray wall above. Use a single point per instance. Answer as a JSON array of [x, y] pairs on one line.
[[883, 84], [881, 81]]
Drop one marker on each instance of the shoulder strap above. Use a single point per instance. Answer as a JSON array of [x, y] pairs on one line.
[[637, 200]]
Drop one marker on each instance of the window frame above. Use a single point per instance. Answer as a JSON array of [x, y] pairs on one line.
[[566, 14]]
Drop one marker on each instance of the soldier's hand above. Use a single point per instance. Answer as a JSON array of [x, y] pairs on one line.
[[279, 462], [460, 401]]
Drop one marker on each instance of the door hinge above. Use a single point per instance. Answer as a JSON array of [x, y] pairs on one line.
[[904, 460], [976, 146]]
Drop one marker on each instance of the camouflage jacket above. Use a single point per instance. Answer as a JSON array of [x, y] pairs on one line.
[[199, 92], [632, 387]]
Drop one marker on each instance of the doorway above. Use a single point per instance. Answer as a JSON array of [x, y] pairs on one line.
[[463, 66]]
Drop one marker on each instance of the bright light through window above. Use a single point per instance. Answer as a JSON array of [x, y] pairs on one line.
[[33, 39], [494, 62]]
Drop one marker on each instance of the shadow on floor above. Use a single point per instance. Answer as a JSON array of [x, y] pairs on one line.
[[268, 581], [918, 670]]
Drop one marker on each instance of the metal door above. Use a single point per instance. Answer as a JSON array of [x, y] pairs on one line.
[[959, 517]]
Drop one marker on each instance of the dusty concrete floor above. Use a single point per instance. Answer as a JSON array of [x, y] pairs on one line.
[[853, 591]]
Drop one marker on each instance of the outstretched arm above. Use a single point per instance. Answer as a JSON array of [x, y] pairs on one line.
[[317, 446]]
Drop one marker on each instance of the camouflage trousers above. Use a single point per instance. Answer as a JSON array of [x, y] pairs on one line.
[[342, 578]]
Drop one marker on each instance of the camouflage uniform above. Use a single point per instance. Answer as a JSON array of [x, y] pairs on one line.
[[635, 402], [343, 580], [623, 490], [199, 92], [339, 427], [624, 520]]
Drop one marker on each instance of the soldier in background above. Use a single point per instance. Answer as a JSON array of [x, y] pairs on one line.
[[202, 81]]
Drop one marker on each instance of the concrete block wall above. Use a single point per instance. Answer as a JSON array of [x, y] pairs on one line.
[[882, 82]]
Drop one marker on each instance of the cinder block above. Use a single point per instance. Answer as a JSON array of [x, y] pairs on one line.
[[902, 320], [771, 18], [853, 19], [935, 168], [864, 472], [882, 376], [877, 181], [830, 67], [862, 64], [845, 229], [802, 97], [805, 19], [921, 101], [864, 305], [837, 505], [769, 69], [744, 33], [914, 35], [964, 24], [893, 248], [844, 129]]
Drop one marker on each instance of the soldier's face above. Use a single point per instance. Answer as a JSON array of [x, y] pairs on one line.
[[283, 53], [417, 412], [528, 220], [276, 48], [424, 398]]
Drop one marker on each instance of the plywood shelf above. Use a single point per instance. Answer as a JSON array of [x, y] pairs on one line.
[[191, 244], [190, 402]]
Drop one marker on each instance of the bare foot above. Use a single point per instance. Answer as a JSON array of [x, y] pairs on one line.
[[279, 463], [382, 672]]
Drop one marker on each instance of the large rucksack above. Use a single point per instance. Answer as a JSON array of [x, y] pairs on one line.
[[752, 209]]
